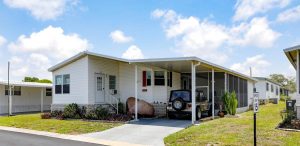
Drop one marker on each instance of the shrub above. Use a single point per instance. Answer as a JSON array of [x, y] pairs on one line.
[[101, 113], [121, 108], [284, 98], [46, 116], [72, 111], [57, 114], [91, 115], [230, 103], [287, 116]]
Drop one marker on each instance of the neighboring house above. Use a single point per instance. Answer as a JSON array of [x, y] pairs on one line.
[[293, 54], [25, 97], [284, 91], [267, 89], [91, 79]]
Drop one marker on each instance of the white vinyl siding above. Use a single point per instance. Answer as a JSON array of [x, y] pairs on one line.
[[265, 94], [107, 67], [78, 71]]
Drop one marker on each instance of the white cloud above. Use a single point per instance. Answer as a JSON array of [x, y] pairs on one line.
[[133, 52], [32, 55], [42, 9], [258, 64], [119, 37], [248, 8], [50, 41], [292, 14], [256, 33], [2, 41], [209, 40]]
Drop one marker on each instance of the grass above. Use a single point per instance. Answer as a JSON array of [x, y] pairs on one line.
[[34, 122], [238, 131]]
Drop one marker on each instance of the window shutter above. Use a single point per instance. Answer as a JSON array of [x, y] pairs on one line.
[[144, 79]]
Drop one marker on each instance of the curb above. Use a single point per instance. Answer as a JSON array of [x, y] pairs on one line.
[[67, 137]]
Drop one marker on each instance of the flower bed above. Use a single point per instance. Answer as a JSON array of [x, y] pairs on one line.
[[73, 111]]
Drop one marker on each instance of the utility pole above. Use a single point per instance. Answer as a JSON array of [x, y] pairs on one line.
[[8, 89]]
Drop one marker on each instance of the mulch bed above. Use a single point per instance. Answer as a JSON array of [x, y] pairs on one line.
[[289, 126]]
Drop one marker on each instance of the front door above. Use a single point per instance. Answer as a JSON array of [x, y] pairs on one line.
[[100, 88]]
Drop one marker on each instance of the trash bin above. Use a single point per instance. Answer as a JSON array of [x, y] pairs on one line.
[[290, 104]]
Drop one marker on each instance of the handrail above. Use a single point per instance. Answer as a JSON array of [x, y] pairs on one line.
[[113, 99]]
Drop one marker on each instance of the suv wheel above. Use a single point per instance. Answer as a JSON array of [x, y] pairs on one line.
[[178, 104], [198, 113]]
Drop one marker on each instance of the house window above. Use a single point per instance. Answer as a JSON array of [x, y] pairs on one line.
[[159, 78], [277, 91], [6, 90], [272, 88], [58, 84], [48, 92], [66, 83], [62, 84], [170, 78], [112, 82], [16, 90], [267, 86]]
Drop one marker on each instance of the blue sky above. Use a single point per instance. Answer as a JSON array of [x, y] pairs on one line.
[[36, 34]]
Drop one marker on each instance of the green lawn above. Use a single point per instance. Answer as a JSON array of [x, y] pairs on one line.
[[238, 131], [34, 122]]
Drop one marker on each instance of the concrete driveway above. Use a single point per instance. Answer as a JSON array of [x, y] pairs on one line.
[[144, 131]]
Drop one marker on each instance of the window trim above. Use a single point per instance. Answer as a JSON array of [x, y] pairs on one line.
[[162, 78], [109, 82], [63, 84], [6, 91], [47, 92]]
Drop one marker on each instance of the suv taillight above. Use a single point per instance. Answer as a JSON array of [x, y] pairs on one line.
[[189, 105]]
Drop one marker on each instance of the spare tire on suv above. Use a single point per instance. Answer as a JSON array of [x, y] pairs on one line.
[[178, 104]]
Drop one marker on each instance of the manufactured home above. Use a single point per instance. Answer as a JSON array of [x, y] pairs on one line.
[[25, 97], [267, 89], [293, 55], [91, 79]]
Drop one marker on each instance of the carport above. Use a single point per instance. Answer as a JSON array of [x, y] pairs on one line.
[[21, 97], [193, 66]]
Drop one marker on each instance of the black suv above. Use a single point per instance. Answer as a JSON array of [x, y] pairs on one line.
[[180, 105]]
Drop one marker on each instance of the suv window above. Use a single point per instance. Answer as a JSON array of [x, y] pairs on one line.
[[184, 95]]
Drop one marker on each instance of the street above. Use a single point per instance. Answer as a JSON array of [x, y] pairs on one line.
[[8, 138]]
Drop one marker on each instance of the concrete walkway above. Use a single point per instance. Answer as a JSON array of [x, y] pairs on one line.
[[144, 132]]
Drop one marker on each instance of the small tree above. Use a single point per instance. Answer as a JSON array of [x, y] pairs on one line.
[[230, 102]]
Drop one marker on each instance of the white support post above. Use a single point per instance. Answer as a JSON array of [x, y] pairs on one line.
[[136, 93], [193, 75], [42, 100], [297, 73], [213, 92], [225, 82], [10, 101]]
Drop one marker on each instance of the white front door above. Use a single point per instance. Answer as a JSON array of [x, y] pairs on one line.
[[100, 88]]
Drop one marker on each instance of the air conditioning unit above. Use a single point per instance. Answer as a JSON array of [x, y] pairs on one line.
[[113, 92]]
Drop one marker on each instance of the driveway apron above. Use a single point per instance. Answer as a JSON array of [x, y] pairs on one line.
[[144, 131]]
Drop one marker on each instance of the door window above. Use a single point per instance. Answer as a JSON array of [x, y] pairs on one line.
[[99, 83]]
